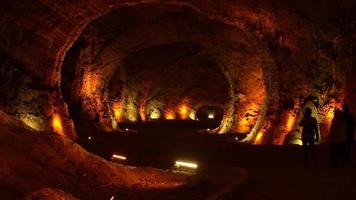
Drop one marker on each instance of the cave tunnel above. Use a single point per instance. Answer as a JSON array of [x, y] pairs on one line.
[[124, 73], [93, 75]]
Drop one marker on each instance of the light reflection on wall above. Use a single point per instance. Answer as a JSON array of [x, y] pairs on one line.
[[155, 114], [131, 107], [330, 115], [142, 111], [247, 120], [57, 124], [90, 84], [131, 112], [153, 109], [192, 114], [118, 111], [259, 137], [297, 142], [290, 121], [33, 122], [183, 111], [243, 125], [169, 115], [287, 125]]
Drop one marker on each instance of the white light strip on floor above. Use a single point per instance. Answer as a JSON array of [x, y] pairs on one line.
[[118, 157], [186, 164]]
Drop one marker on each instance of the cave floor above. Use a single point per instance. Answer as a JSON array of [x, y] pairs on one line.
[[274, 172]]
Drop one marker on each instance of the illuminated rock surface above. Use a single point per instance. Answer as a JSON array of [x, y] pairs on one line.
[[70, 67], [32, 161], [267, 58], [50, 194]]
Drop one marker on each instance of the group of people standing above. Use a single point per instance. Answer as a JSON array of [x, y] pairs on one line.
[[341, 135]]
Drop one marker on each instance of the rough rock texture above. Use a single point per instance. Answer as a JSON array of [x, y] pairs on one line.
[[32, 161], [50, 194], [24, 96], [206, 65], [297, 53]]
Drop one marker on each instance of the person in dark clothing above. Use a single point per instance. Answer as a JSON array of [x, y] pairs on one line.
[[350, 129], [337, 138], [310, 133]]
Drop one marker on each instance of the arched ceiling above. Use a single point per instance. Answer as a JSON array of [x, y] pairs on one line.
[[183, 57], [304, 48]]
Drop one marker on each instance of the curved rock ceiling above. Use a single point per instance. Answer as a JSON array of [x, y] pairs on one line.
[[184, 58], [260, 61]]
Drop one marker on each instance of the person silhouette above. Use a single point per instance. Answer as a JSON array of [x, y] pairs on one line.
[[310, 134], [337, 138], [350, 129]]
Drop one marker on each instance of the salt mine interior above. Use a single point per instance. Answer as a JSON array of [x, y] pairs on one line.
[[188, 99]]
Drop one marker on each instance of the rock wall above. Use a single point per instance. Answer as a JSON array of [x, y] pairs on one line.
[[32, 162], [276, 56], [167, 68]]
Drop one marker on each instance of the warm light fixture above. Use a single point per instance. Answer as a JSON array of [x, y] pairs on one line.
[[211, 116], [190, 165], [119, 157], [89, 138]]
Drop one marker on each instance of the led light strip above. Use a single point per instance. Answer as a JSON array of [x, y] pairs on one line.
[[118, 157], [186, 164]]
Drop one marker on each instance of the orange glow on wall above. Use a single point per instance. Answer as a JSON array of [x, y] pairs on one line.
[[192, 115], [243, 125], [246, 121], [258, 139], [169, 115], [332, 107], [183, 111], [57, 124], [90, 84], [118, 111], [330, 114], [142, 111], [290, 122], [329, 118]]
